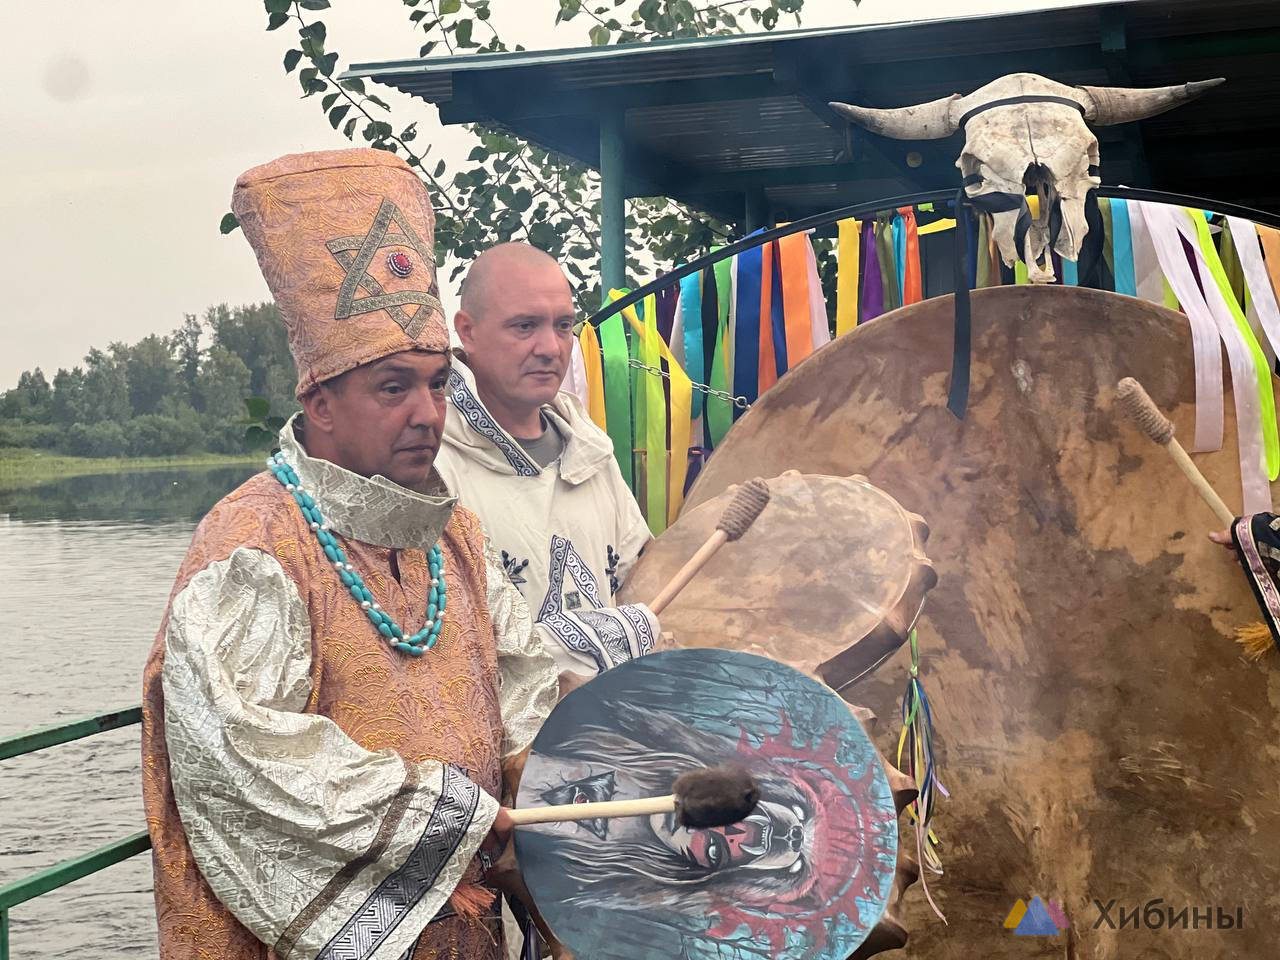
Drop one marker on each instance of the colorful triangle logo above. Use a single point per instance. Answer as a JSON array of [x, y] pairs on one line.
[[1036, 922]]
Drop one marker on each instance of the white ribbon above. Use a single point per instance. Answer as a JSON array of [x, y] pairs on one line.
[[1160, 226], [1264, 312]]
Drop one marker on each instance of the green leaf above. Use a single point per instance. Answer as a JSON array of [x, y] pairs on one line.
[[450, 6], [417, 15], [259, 407], [522, 200], [382, 103], [327, 63], [350, 128], [229, 223], [337, 113], [314, 31], [426, 48], [315, 86], [482, 11], [277, 6], [329, 101], [255, 437], [409, 132], [439, 171], [355, 85], [291, 59], [277, 20], [478, 155], [599, 36], [314, 4], [275, 424], [463, 32]]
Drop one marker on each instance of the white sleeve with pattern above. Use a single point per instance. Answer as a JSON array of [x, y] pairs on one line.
[[319, 847], [528, 679]]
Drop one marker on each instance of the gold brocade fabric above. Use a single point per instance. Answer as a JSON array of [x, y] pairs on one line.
[[441, 707]]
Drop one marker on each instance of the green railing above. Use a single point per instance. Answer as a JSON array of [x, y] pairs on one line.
[[68, 871]]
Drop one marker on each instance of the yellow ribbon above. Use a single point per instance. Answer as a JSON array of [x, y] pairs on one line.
[[590, 344], [848, 253]]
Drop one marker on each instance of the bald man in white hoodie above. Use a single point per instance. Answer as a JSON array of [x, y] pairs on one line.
[[526, 458]]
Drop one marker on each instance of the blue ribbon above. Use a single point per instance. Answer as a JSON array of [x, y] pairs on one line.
[[1122, 249], [777, 315], [746, 334], [691, 316], [900, 255]]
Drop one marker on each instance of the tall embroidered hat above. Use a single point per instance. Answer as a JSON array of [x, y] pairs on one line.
[[344, 239]]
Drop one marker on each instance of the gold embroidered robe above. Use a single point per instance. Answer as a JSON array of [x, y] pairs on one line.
[[310, 791]]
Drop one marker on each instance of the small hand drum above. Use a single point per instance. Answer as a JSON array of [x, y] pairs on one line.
[[829, 579], [807, 875]]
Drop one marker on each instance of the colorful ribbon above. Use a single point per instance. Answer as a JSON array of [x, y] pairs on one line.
[[589, 344], [872, 286], [1122, 259], [720, 411], [617, 393], [691, 322], [1264, 308], [746, 344], [847, 266]]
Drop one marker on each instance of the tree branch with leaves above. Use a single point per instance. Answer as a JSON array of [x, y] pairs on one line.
[[511, 189]]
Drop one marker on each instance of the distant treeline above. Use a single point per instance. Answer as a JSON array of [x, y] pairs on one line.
[[162, 396]]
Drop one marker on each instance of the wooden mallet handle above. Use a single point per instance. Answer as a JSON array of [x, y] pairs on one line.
[[751, 498], [642, 807], [1159, 429]]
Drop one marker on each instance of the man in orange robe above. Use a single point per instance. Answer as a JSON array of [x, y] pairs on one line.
[[344, 674]]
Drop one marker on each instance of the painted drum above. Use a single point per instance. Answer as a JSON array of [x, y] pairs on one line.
[[807, 875]]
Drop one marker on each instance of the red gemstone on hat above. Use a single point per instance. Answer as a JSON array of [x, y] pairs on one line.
[[400, 264]]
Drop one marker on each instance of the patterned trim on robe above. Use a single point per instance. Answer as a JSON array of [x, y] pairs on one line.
[[476, 415], [379, 915]]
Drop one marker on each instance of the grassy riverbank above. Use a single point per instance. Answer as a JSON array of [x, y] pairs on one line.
[[22, 467]]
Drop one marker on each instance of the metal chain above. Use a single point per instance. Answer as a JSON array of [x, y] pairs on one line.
[[739, 402]]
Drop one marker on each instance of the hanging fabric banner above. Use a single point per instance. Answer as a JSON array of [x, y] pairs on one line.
[[1149, 283], [1168, 227], [589, 344], [1205, 340], [681, 391], [848, 263], [1231, 268], [872, 287], [768, 362], [575, 378], [820, 329], [900, 254], [913, 275], [691, 323], [1070, 276], [746, 344], [655, 421], [1262, 298], [888, 265], [795, 297], [1122, 249], [719, 411], [617, 393], [1262, 374], [777, 316]]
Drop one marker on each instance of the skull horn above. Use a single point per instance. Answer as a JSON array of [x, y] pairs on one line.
[[1108, 105], [924, 121]]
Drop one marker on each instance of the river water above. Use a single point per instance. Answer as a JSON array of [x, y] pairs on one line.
[[86, 566]]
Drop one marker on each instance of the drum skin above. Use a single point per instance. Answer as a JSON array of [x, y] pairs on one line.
[[1101, 735], [829, 577]]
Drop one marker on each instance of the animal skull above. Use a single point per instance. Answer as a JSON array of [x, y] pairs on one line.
[[1039, 143]]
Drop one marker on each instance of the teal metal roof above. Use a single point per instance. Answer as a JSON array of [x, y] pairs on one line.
[[713, 120]]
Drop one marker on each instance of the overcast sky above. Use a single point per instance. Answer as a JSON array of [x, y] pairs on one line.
[[126, 123]]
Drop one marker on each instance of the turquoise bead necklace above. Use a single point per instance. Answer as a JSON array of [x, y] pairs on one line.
[[415, 645]]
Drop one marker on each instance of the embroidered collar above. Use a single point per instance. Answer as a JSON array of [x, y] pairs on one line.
[[369, 509], [474, 412], [472, 433]]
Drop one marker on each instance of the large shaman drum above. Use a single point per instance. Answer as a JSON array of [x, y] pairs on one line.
[[1099, 731], [829, 579]]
